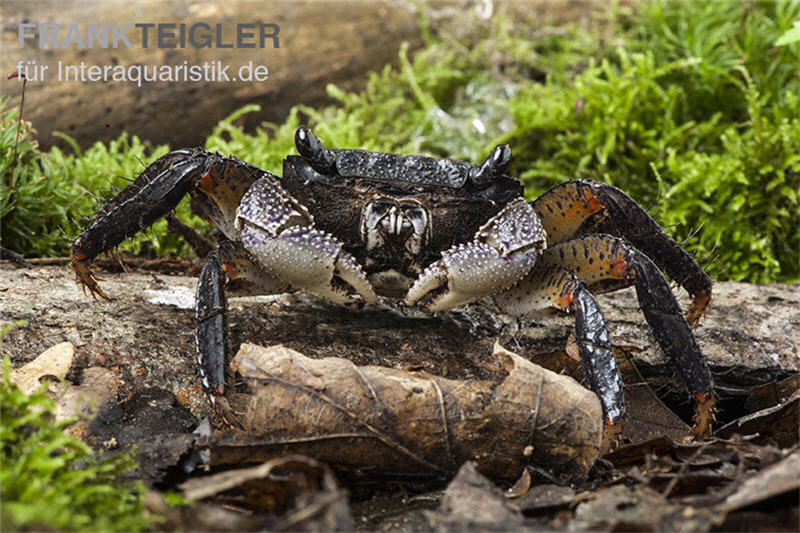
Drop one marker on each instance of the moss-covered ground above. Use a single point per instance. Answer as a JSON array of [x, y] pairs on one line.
[[692, 108]]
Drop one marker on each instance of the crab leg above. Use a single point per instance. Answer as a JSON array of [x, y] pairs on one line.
[[604, 263], [216, 183], [154, 193], [230, 261], [211, 325], [559, 288], [574, 208]]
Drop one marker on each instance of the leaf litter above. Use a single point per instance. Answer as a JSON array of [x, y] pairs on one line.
[[370, 424], [743, 478]]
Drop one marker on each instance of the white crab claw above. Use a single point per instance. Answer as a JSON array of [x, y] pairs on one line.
[[468, 273], [349, 271], [432, 278], [310, 260]]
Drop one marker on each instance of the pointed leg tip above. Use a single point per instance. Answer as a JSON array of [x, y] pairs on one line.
[[612, 435], [705, 415], [86, 279], [699, 306]]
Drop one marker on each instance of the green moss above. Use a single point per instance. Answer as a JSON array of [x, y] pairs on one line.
[[690, 107], [52, 481], [31, 205]]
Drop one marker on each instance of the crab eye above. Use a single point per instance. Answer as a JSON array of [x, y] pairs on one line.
[[310, 147], [493, 166]]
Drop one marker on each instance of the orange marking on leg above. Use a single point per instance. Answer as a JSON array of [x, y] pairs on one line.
[[619, 269], [592, 203], [701, 397], [612, 432], [228, 268], [206, 183], [564, 301]]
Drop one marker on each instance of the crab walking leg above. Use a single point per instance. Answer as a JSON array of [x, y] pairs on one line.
[[211, 325], [502, 253], [279, 232], [154, 193], [559, 288], [230, 261], [599, 260], [574, 208]]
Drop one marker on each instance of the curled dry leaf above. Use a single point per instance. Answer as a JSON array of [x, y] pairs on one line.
[[776, 479], [389, 421], [284, 494]]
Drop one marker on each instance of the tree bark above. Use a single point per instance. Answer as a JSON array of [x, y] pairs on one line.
[[320, 43]]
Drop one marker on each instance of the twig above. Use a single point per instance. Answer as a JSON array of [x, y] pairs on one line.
[[16, 74], [13, 257]]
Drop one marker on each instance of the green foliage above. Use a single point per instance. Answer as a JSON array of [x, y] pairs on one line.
[[32, 207], [700, 99], [691, 107], [791, 36], [54, 193], [52, 481], [723, 37]]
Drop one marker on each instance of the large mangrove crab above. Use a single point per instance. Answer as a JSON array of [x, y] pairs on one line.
[[350, 225]]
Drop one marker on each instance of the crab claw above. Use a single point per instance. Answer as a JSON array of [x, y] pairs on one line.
[[312, 261], [279, 232], [466, 274], [502, 253]]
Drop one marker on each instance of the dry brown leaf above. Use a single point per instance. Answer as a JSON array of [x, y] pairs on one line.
[[648, 417], [472, 503], [637, 508], [98, 386], [777, 423], [781, 477], [396, 421], [521, 486], [291, 493], [55, 361]]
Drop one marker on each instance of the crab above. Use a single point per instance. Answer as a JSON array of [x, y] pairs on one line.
[[349, 226]]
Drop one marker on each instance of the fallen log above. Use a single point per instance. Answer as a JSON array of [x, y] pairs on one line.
[[144, 337], [336, 43]]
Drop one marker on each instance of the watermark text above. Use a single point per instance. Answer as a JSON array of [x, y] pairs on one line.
[[147, 34], [207, 71]]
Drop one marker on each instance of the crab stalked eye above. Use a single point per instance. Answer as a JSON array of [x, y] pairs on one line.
[[310, 147], [493, 166]]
